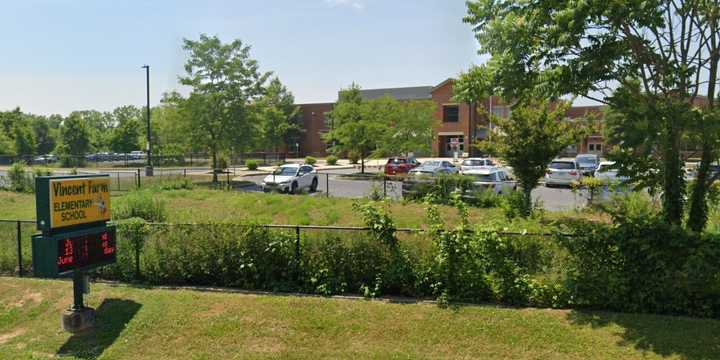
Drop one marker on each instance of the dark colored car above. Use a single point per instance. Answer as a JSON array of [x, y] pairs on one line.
[[400, 165]]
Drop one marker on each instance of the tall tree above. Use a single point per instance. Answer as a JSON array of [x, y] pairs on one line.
[[75, 139], [276, 111], [534, 134], [411, 125], [45, 134], [224, 81], [24, 139], [356, 129], [671, 48]]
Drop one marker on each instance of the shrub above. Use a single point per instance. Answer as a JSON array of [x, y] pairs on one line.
[[222, 162], [354, 157], [310, 160], [331, 160], [18, 179], [174, 184], [251, 164], [140, 204]]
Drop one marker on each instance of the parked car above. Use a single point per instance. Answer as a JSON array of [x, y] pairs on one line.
[[605, 171], [562, 172], [137, 155], [45, 159], [492, 178], [587, 163], [475, 164], [400, 165], [434, 168], [290, 178]]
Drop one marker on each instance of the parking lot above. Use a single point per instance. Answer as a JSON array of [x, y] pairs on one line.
[[553, 199]]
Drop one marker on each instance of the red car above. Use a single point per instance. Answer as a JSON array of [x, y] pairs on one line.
[[400, 165]]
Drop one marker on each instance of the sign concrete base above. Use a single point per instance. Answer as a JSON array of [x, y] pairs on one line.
[[77, 321], [148, 171]]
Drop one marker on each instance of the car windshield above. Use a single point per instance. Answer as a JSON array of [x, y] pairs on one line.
[[285, 171], [431, 163], [586, 159], [396, 161], [562, 165], [476, 162], [484, 177]]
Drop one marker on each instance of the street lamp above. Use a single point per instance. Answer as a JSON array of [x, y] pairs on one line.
[[148, 168]]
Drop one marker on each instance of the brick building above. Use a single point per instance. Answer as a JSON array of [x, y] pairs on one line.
[[459, 124]]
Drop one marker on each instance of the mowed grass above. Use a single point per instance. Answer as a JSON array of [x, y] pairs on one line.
[[139, 323]]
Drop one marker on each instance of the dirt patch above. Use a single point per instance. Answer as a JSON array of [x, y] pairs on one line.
[[266, 345], [29, 296], [9, 336]]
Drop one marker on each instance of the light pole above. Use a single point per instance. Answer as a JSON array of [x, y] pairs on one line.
[[148, 168]]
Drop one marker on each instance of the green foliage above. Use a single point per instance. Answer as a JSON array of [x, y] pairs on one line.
[[225, 82], [644, 264], [126, 136], [75, 141], [18, 179], [24, 139], [277, 112], [251, 164], [592, 186], [378, 219], [353, 156], [222, 162], [331, 160], [662, 99], [310, 160], [440, 190], [140, 204], [534, 134]]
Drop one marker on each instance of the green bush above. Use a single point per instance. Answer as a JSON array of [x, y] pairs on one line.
[[310, 160], [354, 157], [18, 179], [222, 162], [643, 264], [251, 164], [140, 204], [331, 160]]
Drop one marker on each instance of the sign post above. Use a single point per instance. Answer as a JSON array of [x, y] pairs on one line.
[[73, 214]]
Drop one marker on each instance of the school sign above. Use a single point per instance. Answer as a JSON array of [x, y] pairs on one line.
[[72, 213]]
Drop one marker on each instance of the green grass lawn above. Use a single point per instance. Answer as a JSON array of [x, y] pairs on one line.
[[203, 205], [183, 324]]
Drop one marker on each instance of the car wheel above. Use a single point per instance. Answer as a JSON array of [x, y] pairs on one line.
[[293, 188], [314, 185]]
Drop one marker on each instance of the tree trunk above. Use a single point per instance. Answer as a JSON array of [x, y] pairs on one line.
[[362, 164], [527, 200], [673, 179], [214, 165], [697, 218]]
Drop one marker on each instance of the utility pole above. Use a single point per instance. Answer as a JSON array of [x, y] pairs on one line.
[[149, 167]]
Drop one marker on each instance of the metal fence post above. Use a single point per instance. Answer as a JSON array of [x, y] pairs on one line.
[[185, 172], [297, 253], [137, 259], [138, 179], [384, 186], [19, 249], [327, 184]]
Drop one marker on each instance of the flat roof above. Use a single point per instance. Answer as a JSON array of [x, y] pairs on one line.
[[402, 93]]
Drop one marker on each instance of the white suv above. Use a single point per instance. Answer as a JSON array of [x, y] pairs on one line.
[[290, 178], [492, 178], [562, 172]]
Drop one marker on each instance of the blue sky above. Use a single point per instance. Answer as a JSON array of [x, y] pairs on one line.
[[65, 55]]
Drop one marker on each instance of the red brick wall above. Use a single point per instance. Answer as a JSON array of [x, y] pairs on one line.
[[313, 124]]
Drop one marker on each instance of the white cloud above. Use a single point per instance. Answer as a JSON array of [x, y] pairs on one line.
[[355, 4]]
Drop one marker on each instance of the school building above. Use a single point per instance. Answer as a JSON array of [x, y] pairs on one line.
[[459, 124]]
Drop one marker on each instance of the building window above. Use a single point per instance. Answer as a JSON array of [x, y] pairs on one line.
[[572, 149], [451, 113], [501, 111], [595, 147], [453, 143]]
